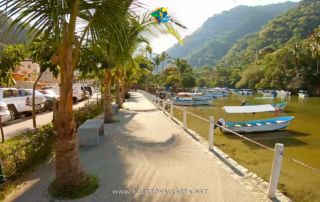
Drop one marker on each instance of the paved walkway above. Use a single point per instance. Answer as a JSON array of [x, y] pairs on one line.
[[152, 158]]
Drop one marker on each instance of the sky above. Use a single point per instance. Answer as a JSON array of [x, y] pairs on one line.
[[193, 13]]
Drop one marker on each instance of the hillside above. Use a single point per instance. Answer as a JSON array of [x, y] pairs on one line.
[[10, 37], [298, 23], [212, 41]]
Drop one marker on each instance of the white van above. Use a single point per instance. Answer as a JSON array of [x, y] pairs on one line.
[[77, 94]]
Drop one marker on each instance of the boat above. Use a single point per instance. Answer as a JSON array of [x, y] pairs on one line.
[[192, 99], [280, 106], [247, 92], [214, 93], [283, 93], [269, 93], [253, 126], [302, 94]]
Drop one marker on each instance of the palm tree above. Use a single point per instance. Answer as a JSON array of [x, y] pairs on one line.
[[164, 57], [138, 32], [157, 61], [61, 19]]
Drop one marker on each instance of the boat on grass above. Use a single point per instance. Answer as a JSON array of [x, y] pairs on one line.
[[254, 126], [192, 99]]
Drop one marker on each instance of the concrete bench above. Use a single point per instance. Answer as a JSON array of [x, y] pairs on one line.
[[90, 131], [115, 109]]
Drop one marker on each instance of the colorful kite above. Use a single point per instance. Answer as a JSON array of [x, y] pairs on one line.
[[161, 15]]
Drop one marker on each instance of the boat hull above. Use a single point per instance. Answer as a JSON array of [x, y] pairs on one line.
[[192, 102], [267, 125]]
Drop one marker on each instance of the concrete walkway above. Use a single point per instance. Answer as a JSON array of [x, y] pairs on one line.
[[148, 158]]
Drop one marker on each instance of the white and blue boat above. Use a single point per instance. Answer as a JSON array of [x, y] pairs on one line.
[[192, 99], [253, 126]]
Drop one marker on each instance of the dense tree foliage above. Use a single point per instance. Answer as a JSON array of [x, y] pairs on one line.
[[297, 23]]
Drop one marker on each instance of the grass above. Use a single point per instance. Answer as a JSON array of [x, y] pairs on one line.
[[89, 186], [297, 182]]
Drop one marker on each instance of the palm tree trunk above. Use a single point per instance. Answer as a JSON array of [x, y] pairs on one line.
[[118, 76], [107, 96], [69, 171], [119, 96], [34, 122]]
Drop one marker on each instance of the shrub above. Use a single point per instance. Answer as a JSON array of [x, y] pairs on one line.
[[22, 153]]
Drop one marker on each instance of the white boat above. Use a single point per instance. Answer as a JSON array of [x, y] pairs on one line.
[[246, 92], [214, 93], [264, 125], [303, 94], [283, 93], [192, 99]]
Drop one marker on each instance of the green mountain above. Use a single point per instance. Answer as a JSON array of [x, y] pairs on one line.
[[297, 23], [11, 37], [213, 40]]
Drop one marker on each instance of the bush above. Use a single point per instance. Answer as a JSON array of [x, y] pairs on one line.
[[89, 111], [22, 153]]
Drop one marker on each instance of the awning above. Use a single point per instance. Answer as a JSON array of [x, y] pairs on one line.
[[249, 109]]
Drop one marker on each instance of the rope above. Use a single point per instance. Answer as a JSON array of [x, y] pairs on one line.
[[301, 163], [252, 141], [244, 137], [199, 117]]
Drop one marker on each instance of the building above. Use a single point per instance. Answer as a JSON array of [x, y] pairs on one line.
[[29, 69], [47, 77]]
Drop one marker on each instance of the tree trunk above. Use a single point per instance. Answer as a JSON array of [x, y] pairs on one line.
[[119, 96], [69, 171], [107, 96], [34, 121]]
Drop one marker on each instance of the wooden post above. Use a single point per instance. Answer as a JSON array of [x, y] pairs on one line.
[[185, 118], [163, 105], [211, 132], [276, 168], [159, 103], [1, 128], [171, 109]]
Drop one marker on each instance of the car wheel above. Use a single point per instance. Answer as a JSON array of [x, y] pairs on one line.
[[13, 112]]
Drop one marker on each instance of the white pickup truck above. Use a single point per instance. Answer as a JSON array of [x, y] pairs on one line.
[[77, 94], [20, 101]]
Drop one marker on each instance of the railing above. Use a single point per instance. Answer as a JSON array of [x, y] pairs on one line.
[[277, 150]]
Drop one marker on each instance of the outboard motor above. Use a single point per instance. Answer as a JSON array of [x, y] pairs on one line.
[[221, 122]]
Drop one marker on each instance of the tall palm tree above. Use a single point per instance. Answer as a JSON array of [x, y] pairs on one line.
[[164, 57], [61, 18], [157, 61]]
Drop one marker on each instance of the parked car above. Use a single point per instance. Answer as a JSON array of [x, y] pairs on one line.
[[39, 98], [51, 96], [4, 112], [77, 94], [16, 103], [87, 89]]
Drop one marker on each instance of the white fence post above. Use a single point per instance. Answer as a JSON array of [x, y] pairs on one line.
[[211, 132], [185, 118], [171, 109], [158, 102], [276, 168], [163, 105]]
